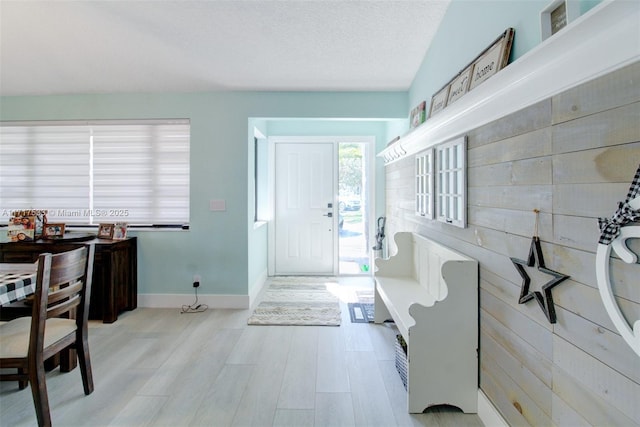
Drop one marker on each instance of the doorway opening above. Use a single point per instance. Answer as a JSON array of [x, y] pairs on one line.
[[354, 204], [342, 210]]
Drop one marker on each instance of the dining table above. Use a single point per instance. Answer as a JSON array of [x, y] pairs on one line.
[[17, 281]]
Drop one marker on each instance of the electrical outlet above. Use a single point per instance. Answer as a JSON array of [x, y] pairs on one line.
[[196, 280]]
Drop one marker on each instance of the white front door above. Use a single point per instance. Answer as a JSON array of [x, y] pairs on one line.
[[304, 213]]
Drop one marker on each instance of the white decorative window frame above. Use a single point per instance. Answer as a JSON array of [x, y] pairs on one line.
[[424, 184], [451, 182]]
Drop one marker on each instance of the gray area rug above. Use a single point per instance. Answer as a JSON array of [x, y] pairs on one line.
[[298, 301]]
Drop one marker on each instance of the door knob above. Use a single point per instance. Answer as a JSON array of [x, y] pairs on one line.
[[330, 214]]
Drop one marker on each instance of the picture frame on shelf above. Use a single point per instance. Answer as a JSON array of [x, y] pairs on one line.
[[418, 115], [439, 100], [105, 231], [119, 231], [22, 226], [41, 220], [493, 59], [557, 15], [459, 86], [53, 230]]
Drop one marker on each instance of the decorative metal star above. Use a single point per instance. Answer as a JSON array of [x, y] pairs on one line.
[[545, 301]]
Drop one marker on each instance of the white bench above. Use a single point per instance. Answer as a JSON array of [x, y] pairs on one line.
[[431, 293]]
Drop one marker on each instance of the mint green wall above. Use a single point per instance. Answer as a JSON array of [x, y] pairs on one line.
[[468, 27], [217, 245]]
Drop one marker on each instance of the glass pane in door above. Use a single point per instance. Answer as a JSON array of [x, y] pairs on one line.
[[353, 207]]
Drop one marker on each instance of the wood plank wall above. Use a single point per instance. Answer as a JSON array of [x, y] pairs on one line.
[[573, 157]]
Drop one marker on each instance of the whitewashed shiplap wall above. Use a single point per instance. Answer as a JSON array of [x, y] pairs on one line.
[[573, 157]]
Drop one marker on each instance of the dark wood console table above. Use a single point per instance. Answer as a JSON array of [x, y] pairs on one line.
[[115, 271]]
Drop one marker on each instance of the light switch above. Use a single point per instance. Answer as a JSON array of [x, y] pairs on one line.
[[217, 205]]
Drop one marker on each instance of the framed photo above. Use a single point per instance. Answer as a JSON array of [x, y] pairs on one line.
[[460, 85], [557, 15], [119, 231], [53, 231], [418, 115], [22, 226], [41, 220], [439, 100], [492, 59], [105, 231]]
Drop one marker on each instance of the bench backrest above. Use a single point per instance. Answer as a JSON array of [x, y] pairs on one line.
[[428, 259], [422, 259]]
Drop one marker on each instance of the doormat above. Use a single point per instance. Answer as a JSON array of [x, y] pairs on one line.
[[360, 312], [298, 301], [363, 310]]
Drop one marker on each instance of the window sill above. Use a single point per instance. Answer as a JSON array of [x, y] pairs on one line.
[[259, 224], [131, 228]]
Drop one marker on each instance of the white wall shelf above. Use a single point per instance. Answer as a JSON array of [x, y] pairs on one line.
[[603, 40]]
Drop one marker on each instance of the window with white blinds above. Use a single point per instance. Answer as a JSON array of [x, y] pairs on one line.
[[91, 173]]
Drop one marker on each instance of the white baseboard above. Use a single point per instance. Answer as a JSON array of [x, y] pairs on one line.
[[257, 288], [178, 300], [488, 413]]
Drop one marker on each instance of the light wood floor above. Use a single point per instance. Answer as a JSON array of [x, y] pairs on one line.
[[157, 367]]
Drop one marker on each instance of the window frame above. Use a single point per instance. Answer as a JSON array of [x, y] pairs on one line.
[[424, 184], [451, 182]]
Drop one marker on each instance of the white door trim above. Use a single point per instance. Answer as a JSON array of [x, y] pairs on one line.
[[273, 140]]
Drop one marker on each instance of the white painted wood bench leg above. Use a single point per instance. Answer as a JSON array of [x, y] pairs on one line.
[[443, 345]]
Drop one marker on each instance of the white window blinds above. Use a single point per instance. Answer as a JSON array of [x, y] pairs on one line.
[[134, 172]]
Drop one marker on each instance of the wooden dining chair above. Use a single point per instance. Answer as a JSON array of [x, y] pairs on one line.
[[59, 321]]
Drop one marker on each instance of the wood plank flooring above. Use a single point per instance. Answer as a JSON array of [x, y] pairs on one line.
[[157, 367]]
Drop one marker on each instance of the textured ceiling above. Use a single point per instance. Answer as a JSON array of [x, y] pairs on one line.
[[67, 47]]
